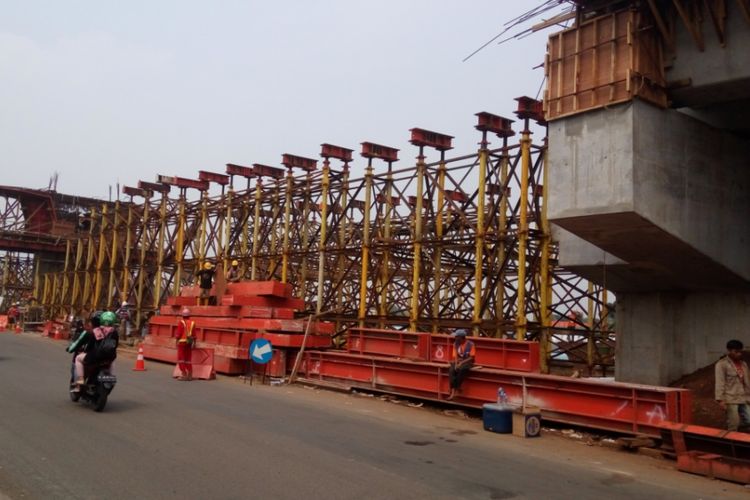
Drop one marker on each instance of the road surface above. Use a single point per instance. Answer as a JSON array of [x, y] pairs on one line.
[[163, 439]]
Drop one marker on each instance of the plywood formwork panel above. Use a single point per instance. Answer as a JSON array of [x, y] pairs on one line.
[[603, 61]]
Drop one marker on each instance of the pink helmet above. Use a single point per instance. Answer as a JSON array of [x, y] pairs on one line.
[[185, 311]]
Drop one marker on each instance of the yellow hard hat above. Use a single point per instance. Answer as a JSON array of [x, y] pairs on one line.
[[207, 265], [235, 263]]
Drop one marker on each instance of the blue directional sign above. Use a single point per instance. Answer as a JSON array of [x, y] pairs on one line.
[[261, 351]]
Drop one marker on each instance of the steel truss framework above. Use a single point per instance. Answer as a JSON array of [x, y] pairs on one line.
[[17, 278], [448, 242]]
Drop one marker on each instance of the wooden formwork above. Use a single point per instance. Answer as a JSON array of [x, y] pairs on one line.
[[603, 61]]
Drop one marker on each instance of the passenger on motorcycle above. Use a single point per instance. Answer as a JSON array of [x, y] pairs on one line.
[[95, 346]]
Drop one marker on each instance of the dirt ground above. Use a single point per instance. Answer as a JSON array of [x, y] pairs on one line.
[[705, 409]]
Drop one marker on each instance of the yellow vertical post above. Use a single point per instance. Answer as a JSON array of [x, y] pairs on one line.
[[305, 236], [86, 292], [385, 272], [74, 299], [180, 250], [45, 297], [256, 229], [343, 228], [545, 274], [66, 277], [126, 260], [227, 229], [365, 246], [325, 184], [287, 224], [502, 233], [100, 258], [523, 231], [480, 235], [204, 221], [244, 240], [417, 263], [114, 251], [144, 240], [160, 250], [437, 263], [39, 265], [274, 230]]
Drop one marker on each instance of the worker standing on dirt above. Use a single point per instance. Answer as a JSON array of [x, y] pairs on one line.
[[733, 387], [233, 274], [206, 277], [464, 352], [185, 342]]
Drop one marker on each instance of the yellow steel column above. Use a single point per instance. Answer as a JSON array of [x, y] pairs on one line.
[[39, 264], [126, 261], [256, 229], [546, 275], [66, 278], [523, 232], [274, 230], [502, 233], [86, 292], [365, 246], [245, 237], [160, 250], [180, 251], [438, 258], [480, 235], [305, 236], [100, 259], [416, 266], [343, 227], [325, 183], [227, 229], [113, 253], [204, 220], [74, 298], [287, 224], [384, 272], [45, 296], [144, 240]]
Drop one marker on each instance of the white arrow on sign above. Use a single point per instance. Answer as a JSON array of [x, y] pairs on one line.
[[259, 351]]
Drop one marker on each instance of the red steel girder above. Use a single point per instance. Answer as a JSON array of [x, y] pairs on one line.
[[487, 122], [154, 187], [221, 179], [531, 109], [131, 191], [372, 150], [427, 138], [338, 152], [233, 169], [291, 161], [266, 171], [612, 406], [182, 182]]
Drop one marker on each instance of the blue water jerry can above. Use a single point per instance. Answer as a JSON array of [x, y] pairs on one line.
[[497, 418]]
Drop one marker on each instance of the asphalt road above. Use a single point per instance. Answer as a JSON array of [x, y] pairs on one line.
[[159, 438]]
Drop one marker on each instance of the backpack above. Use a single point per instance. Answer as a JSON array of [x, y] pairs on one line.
[[105, 349]]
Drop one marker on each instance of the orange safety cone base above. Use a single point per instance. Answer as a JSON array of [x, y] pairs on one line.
[[140, 365]]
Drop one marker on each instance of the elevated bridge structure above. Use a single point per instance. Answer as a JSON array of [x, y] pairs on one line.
[[649, 143]]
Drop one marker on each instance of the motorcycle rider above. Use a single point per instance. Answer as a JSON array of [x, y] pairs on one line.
[[87, 347]]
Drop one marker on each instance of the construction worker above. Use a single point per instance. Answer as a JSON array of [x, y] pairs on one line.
[[464, 352], [13, 314], [123, 315], [185, 342], [233, 274], [733, 387], [206, 281]]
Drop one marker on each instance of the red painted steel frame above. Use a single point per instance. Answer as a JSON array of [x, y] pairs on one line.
[[710, 452], [504, 354], [401, 344], [627, 408]]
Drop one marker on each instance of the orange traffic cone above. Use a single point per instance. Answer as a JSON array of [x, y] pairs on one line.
[[140, 365], [18, 329]]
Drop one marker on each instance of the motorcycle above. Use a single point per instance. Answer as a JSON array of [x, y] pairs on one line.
[[98, 384]]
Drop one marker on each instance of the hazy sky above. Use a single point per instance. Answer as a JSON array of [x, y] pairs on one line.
[[102, 91]]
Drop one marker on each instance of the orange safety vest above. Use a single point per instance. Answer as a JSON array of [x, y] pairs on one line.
[[187, 330]]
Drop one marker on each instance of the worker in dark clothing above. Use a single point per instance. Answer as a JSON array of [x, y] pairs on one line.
[[206, 281], [464, 352]]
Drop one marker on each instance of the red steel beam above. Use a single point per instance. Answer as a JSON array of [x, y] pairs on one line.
[[264, 170], [428, 138], [182, 182], [291, 161], [338, 152], [233, 169], [221, 179], [612, 406], [131, 191], [372, 150], [487, 122], [154, 187]]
